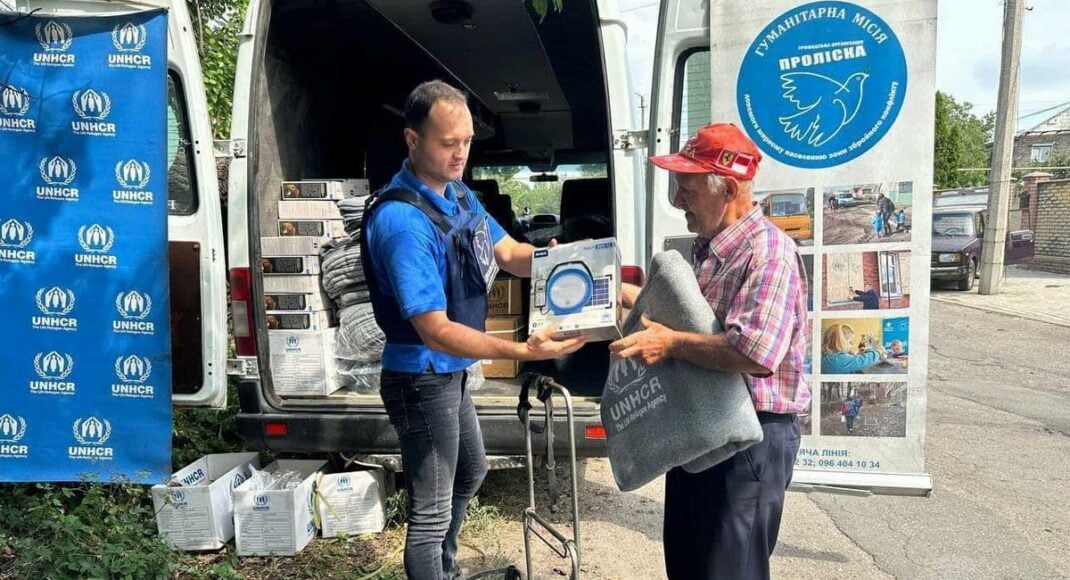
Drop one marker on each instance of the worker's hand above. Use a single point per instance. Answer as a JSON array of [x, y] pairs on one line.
[[547, 344], [553, 243], [650, 345], [628, 295]]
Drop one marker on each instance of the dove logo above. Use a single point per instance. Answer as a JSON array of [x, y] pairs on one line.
[[92, 433], [15, 236], [14, 104], [97, 241], [132, 176], [55, 304], [133, 308], [55, 38], [12, 430], [133, 372], [57, 173], [822, 84], [93, 107], [129, 39]]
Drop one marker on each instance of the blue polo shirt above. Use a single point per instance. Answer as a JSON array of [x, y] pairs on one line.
[[409, 262]]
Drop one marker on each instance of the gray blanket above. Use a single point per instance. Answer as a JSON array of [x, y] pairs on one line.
[[673, 413]]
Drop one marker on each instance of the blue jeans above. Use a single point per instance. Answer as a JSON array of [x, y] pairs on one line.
[[443, 460]]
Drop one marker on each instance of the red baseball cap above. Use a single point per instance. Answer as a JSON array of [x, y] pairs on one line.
[[716, 148]]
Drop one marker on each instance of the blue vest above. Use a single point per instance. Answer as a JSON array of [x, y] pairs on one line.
[[470, 265]]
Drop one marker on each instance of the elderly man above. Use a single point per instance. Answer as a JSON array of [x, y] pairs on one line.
[[723, 522]]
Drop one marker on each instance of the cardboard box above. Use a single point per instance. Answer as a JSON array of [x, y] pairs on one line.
[[292, 284], [509, 328], [291, 246], [351, 503], [321, 189], [303, 362], [355, 187], [281, 320], [328, 228], [195, 511], [296, 301], [577, 287], [309, 210], [277, 521], [506, 297], [290, 265]]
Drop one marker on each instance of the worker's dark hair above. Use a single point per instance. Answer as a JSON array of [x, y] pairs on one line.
[[424, 96]]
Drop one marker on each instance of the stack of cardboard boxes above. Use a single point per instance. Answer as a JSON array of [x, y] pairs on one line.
[[301, 323], [505, 320]]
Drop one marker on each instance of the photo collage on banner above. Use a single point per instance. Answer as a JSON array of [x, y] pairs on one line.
[[83, 249]]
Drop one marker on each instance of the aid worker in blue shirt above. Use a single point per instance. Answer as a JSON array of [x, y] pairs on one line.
[[430, 255]]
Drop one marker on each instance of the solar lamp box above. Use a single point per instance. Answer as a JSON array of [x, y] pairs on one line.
[[506, 297], [509, 328], [277, 522], [277, 246], [282, 320], [296, 302], [290, 265], [355, 187], [577, 287], [194, 509], [315, 189], [322, 228], [351, 503], [292, 284], [303, 363], [309, 210]]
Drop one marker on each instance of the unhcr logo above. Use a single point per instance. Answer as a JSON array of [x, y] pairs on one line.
[[261, 503], [53, 368], [15, 236], [293, 344], [97, 241], [129, 39], [93, 107], [57, 173], [14, 104], [133, 308], [133, 372], [132, 176], [55, 38], [12, 430], [92, 433], [178, 498], [55, 304]]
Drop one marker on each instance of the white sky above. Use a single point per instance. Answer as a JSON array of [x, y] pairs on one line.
[[969, 33]]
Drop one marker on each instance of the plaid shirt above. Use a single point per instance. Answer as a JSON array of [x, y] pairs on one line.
[[754, 279]]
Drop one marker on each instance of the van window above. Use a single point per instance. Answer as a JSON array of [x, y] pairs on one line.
[[695, 109], [181, 174]]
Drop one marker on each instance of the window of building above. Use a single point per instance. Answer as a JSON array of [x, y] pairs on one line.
[[1040, 153]]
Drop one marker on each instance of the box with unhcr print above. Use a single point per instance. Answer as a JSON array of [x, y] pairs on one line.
[[577, 287]]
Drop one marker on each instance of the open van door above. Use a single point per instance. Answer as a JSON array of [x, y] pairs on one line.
[[195, 230]]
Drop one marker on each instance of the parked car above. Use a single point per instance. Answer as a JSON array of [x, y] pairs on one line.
[[958, 234]]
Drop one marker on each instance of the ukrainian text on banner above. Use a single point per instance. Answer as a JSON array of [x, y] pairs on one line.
[[83, 249], [839, 97]]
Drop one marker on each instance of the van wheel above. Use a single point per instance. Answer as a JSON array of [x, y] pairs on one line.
[[966, 282]]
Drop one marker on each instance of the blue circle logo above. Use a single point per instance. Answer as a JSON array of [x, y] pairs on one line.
[[822, 84]]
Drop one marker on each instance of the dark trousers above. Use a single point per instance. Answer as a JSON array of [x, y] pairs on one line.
[[443, 460], [723, 522]]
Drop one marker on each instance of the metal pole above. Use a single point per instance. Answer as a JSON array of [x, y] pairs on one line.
[[1002, 150]]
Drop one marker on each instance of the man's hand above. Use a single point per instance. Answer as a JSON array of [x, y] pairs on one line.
[[544, 345], [650, 345], [629, 293]]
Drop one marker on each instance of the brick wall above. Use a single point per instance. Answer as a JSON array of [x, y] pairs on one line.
[[1053, 224]]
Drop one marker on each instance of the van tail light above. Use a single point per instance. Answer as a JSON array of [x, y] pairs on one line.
[[632, 275], [595, 432], [276, 429], [241, 307]]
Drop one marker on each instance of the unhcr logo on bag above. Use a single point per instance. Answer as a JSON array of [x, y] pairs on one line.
[[133, 372], [129, 39], [57, 173], [15, 236], [97, 241], [637, 393], [92, 433], [53, 368], [132, 176], [55, 38], [55, 304], [14, 105], [12, 430], [133, 308], [93, 107]]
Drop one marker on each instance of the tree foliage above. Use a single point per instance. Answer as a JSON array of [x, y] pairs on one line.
[[217, 24], [960, 143]]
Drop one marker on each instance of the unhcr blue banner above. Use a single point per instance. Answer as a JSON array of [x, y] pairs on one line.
[[83, 249]]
